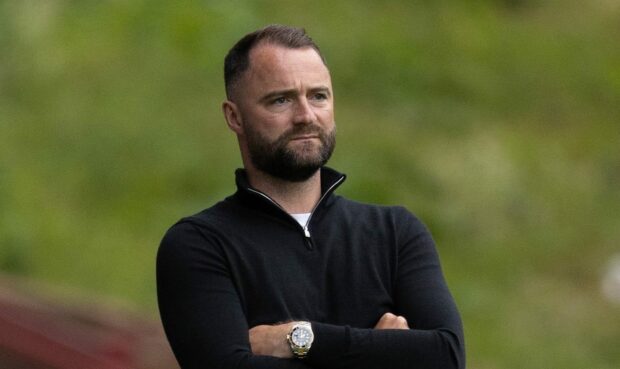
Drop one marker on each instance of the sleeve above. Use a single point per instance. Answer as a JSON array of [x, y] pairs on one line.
[[200, 308], [435, 340]]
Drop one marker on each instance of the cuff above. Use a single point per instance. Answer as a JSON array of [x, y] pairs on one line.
[[330, 342]]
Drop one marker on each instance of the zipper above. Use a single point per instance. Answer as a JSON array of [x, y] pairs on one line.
[[327, 192], [305, 228]]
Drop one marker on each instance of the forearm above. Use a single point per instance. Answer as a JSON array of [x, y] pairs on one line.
[[211, 344], [390, 344], [271, 340], [346, 347]]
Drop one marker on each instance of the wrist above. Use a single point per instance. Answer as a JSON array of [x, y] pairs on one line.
[[300, 339], [270, 340]]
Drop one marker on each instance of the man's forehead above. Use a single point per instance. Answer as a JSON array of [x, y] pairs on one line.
[[276, 64], [267, 51]]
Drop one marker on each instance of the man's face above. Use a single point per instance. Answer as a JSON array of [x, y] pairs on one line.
[[285, 104]]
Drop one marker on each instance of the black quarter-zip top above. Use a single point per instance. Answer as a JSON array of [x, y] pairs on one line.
[[242, 263]]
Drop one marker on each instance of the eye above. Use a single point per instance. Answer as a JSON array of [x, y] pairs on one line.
[[279, 100], [320, 96]]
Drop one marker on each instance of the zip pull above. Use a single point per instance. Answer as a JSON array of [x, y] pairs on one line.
[[308, 238]]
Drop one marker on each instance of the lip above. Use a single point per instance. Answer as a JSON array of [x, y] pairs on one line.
[[306, 137]]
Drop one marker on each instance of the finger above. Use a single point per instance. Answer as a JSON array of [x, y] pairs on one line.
[[388, 316], [401, 322], [387, 321]]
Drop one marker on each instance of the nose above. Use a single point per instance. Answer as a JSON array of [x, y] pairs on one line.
[[303, 112]]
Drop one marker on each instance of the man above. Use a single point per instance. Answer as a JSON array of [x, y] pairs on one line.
[[284, 273]]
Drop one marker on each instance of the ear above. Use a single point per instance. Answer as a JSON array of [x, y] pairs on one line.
[[233, 117]]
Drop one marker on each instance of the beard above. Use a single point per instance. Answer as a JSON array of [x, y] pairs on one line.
[[294, 164]]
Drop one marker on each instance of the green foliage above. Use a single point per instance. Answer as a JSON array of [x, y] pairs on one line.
[[495, 121]]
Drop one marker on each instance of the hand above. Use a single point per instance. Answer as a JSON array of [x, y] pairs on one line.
[[391, 321], [270, 340]]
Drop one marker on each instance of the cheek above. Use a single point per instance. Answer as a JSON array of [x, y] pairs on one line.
[[270, 125], [328, 112], [326, 117], [261, 119]]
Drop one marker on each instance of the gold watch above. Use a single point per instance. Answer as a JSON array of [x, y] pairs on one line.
[[300, 339]]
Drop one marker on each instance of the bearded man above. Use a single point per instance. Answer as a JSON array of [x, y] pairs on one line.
[[284, 273]]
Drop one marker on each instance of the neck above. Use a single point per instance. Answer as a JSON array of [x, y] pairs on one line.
[[294, 197]]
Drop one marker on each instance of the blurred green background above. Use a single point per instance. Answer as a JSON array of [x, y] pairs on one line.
[[495, 121]]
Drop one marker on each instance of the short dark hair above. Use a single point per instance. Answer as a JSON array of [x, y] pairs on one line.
[[237, 60]]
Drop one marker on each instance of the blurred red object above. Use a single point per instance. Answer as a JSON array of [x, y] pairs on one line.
[[39, 331]]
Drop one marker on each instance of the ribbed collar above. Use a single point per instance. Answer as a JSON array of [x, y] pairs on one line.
[[249, 196], [329, 177]]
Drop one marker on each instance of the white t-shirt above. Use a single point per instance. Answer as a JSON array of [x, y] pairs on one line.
[[302, 218]]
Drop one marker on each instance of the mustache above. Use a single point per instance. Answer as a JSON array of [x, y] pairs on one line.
[[301, 131]]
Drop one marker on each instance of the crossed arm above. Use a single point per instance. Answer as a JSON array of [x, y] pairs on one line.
[[270, 340]]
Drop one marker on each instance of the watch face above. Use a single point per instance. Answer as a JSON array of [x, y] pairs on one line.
[[301, 336]]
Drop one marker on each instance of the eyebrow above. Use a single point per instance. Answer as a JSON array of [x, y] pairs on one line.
[[292, 91]]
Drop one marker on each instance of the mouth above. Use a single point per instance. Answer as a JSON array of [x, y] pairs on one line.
[[304, 137]]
